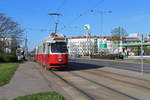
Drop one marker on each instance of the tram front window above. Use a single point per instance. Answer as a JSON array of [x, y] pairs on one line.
[[59, 47]]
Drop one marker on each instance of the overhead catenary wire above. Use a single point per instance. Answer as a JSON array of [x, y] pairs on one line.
[[87, 11], [94, 7], [57, 10], [60, 6], [65, 27], [56, 20]]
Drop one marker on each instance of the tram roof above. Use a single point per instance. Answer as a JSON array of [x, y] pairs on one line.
[[54, 38]]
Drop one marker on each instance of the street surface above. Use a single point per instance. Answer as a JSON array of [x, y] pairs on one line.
[[83, 80], [113, 64], [100, 80]]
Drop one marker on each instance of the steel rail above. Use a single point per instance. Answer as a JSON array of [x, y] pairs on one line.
[[123, 75], [109, 88], [119, 80], [78, 89]]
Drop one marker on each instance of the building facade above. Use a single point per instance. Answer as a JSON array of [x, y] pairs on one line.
[[134, 41], [85, 45], [8, 44]]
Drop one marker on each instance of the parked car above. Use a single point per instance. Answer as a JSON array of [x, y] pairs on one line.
[[117, 56]]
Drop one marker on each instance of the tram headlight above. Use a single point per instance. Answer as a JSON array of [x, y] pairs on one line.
[[60, 60]]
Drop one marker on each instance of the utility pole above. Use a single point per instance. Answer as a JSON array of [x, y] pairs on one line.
[[56, 27], [101, 24], [142, 68], [26, 45], [87, 27], [119, 41], [89, 43]]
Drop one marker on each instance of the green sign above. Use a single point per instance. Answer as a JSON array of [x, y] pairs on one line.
[[103, 45], [86, 26]]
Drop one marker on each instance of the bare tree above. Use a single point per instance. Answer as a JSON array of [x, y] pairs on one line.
[[118, 35], [9, 28]]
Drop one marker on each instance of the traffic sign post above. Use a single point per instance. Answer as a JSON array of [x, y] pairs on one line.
[[87, 27], [142, 65], [142, 68]]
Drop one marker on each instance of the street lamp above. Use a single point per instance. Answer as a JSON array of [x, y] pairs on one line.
[[101, 25], [142, 68], [101, 20]]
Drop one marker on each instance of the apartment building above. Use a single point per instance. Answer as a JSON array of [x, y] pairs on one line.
[[134, 41], [84, 45], [8, 43]]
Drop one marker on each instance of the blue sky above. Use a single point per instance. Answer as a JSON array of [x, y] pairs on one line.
[[132, 15]]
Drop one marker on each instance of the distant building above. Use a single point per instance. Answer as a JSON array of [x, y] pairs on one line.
[[136, 38], [8, 44], [84, 45], [134, 41]]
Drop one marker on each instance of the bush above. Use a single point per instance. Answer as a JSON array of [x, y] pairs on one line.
[[1, 57], [8, 58]]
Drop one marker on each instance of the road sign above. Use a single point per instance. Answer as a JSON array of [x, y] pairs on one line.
[[87, 27], [103, 44]]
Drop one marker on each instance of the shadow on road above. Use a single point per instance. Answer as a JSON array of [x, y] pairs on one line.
[[75, 66]]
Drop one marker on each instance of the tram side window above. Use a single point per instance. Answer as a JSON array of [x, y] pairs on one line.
[[44, 48], [38, 50], [48, 48]]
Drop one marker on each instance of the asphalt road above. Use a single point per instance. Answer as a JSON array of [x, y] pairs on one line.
[[93, 64]]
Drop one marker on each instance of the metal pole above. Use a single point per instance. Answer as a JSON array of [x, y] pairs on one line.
[[119, 41], [142, 68], [101, 28], [101, 23], [56, 27], [26, 45], [89, 43], [56, 14]]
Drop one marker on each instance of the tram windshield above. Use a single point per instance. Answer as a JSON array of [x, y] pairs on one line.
[[59, 47]]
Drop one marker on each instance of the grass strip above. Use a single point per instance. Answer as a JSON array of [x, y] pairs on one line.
[[42, 96], [7, 70]]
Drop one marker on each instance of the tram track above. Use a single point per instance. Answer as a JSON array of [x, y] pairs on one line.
[[72, 85], [116, 79], [54, 84], [127, 76], [119, 77], [140, 87], [103, 86], [118, 67], [112, 92]]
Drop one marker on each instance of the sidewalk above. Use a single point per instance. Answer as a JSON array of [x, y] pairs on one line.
[[26, 80], [138, 57]]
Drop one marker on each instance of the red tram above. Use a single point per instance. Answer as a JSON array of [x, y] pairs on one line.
[[52, 52]]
